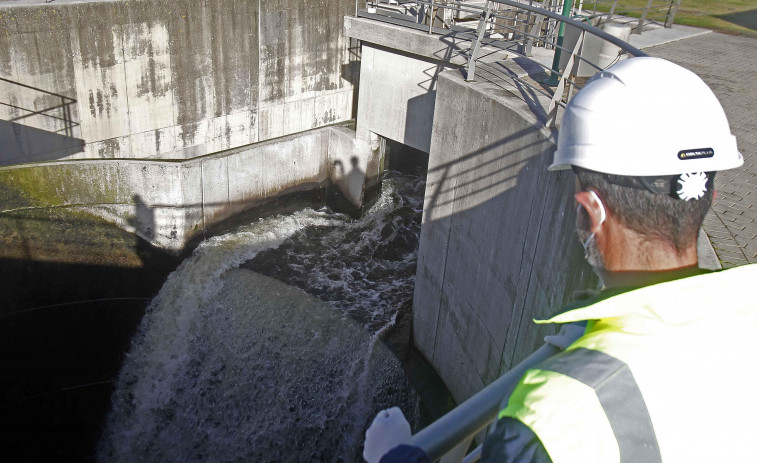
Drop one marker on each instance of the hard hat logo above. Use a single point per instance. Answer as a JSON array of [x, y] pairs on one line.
[[692, 186], [696, 154]]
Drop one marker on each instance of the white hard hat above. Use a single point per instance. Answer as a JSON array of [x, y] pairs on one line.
[[646, 117]]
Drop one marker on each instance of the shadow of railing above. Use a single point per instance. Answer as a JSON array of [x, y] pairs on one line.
[[32, 134]]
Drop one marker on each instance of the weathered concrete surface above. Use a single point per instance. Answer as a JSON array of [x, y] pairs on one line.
[[169, 202], [170, 79], [451, 48], [397, 96], [353, 165], [497, 245]]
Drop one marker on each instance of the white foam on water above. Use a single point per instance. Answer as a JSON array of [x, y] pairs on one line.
[[219, 372]]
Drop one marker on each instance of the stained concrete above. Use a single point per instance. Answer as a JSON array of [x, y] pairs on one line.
[[397, 96], [497, 246], [170, 79], [167, 203]]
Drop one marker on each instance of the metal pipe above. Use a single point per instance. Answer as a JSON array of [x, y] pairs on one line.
[[471, 75], [643, 17], [578, 24], [674, 4], [431, 19], [477, 412], [553, 78]]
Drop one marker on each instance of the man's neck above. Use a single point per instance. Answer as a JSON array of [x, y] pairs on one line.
[[634, 260], [637, 279]]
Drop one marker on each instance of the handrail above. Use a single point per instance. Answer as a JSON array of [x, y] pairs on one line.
[[473, 415], [580, 25], [557, 79], [456, 429], [661, 12], [522, 26]]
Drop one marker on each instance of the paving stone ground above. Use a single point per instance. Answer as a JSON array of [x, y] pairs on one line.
[[729, 66]]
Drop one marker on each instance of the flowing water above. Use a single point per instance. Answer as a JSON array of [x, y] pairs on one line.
[[264, 344]]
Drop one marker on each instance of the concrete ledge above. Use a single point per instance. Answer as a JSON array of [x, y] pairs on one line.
[[450, 48], [169, 202], [661, 35]]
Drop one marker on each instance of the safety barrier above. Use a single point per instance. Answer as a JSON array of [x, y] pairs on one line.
[[553, 52], [659, 12], [449, 438]]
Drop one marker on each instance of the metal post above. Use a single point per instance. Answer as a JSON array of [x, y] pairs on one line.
[[557, 96], [477, 44], [640, 24], [612, 10], [431, 18], [674, 4], [554, 77]]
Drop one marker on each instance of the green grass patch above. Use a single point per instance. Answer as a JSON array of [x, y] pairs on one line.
[[729, 16]]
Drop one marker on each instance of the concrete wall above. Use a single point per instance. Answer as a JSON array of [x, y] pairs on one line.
[[169, 202], [497, 245], [169, 79], [398, 74], [397, 96]]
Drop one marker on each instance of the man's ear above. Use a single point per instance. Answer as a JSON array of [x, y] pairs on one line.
[[592, 204]]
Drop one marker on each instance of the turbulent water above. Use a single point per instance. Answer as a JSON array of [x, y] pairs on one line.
[[231, 364]]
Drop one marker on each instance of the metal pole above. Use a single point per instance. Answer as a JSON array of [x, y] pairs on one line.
[[554, 77], [674, 4], [431, 18], [477, 44], [643, 17], [476, 413]]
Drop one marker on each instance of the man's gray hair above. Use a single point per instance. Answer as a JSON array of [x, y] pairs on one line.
[[655, 215]]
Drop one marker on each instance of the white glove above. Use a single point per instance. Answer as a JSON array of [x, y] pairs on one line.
[[388, 430]]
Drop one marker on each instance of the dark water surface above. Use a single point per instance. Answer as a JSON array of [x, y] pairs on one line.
[[264, 344]]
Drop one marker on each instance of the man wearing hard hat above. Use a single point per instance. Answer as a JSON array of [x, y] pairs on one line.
[[665, 368]]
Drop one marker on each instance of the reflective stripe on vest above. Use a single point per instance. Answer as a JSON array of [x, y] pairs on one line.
[[619, 395]]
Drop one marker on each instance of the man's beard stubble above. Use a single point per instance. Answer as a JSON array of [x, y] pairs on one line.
[[591, 252]]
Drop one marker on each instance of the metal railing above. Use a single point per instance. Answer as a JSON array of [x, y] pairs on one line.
[[507, 37], [60, 111], [656, 12], [449, 438]]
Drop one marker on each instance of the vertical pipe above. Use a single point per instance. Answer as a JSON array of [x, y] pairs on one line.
[[674, 4], [553, 78], [477, 43], [431, 18], [643, 17]]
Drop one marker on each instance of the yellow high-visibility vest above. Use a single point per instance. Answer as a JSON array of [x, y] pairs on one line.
[[665, 373]]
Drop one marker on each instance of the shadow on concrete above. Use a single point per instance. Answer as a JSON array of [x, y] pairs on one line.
[[498, 247], [22, 143], [74, 291], [33, 134], [746, 19], [349, 189]]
